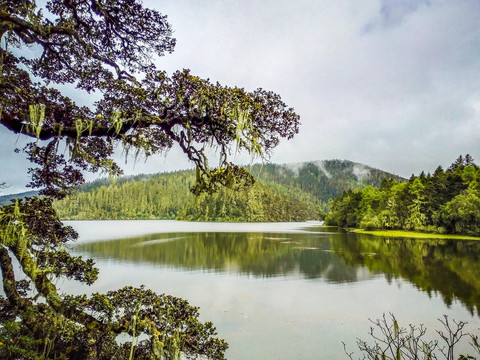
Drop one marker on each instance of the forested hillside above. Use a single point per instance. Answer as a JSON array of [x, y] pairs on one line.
[[323, 180], [167, 196], [445, 202], [293, 192]]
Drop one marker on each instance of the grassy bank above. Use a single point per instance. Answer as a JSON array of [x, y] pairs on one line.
[[414, 234]]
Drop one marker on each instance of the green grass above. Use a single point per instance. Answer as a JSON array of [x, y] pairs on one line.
[[414, 234]]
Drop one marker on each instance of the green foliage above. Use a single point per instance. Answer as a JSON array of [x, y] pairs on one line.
[[278, 195], [166, 196], [462, 214], [7, 199], [145, 116], [447, 201], [62, 326], [322, 180], [106, 46]]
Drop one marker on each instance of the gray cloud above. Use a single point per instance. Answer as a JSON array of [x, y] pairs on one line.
[[393, 84], [393, 12]]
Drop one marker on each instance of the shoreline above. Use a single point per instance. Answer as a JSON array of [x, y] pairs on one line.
[[412, 234]]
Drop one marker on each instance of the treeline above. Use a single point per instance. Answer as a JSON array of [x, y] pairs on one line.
[[167, 196], [291, 192], [445, 202]]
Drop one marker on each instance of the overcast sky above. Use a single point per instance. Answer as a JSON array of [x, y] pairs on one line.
[[393, 84]]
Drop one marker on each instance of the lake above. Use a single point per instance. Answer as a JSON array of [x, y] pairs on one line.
[[286, 290]]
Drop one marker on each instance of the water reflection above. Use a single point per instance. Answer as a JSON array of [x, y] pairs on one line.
[[257, 254], [447, 267]]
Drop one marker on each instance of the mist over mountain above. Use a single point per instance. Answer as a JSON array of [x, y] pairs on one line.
[[282, 192], [322, 179]]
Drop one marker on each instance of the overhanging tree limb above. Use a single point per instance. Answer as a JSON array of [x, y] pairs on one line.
[[107, 46]]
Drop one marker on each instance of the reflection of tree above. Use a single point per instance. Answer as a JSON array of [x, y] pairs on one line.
[[258, 254], [448, 267]]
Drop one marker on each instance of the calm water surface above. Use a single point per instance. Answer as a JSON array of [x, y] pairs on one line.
[[287, 290]]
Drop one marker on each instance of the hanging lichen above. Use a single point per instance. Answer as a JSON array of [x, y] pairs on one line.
[[12, 228], [82, 125], [37, 116], [246, 135], [117, 121]]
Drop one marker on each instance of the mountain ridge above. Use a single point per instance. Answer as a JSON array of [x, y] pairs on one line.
[[312, 182], [294, 166], [282, 192]]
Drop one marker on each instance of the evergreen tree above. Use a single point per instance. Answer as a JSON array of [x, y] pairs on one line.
[[447, 201], [469, 160]]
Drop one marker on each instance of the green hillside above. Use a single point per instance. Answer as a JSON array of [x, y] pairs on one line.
[[447, 201], [321, 180], [292, 192]]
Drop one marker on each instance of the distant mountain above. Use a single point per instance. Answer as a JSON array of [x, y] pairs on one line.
[[322, 179], [288, 192], [6, 199]]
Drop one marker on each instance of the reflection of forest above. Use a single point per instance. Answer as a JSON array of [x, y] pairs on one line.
[[449, 267], [258, 254]]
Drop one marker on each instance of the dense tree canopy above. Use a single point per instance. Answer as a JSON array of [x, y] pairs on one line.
[[447, 201], [108, 47], [166, 196], [281, 193]]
